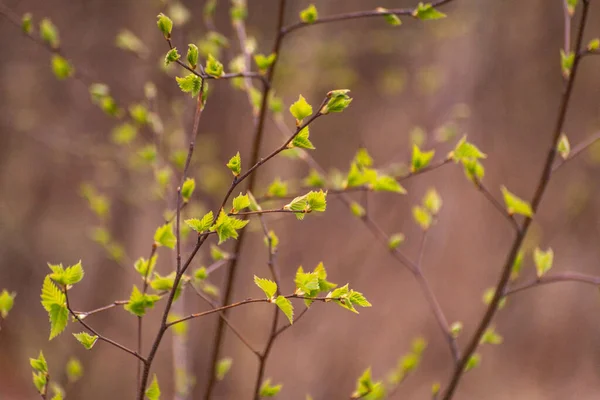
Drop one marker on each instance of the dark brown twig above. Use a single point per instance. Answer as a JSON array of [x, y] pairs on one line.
[[554, 278]]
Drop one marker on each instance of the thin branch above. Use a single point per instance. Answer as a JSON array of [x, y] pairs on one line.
[[497, 205], [279, 210], [140, 318], [287, 326], [554, 278], [577, 150], [535, 203]]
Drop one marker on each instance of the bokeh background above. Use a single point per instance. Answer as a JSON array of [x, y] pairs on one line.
[[491, 71]]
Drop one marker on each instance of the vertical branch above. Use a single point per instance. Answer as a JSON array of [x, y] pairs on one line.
[[140, 319], [535, 203], [254, 158]]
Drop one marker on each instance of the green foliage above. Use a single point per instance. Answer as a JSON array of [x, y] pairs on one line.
[[39, 364], [201, 274], [301, 140], [543, 260], [563, 147], [456, 328], [55, 303], [465, 151], [240, 202], [566, 62], [40, 374], [517, 265], [222, 368], [309, 15], [153, 391], [124, 133], [396, 240], [238, 10], [201, 225], [362, 158], [227, 227], [314, 179], [88, 341], [312, 201], [27, 23], [235, 164], [277, 188], [285, 305], [61, 67], [516, 205], [420, 159], [7, 301], [367, 389], [490, 336], [272, 237], [305, 283], [473, 362], [69, 276], [264, 62], [145, 267], [218, 254], [139, 113], [192, 55], [571, 4], [49, 33], [191, 83], [165, 25], [180, 328], [432, 201], [488, 295], [187, 189], [164, 236], [593, 44], [172, 56], [422, 217], [213, 67], [357, 210], [427, 12], [267, 286], [74, 369], [390, 18], [139, 302], [128, 41], [301, 109], [338, 101], [348, 298], [268, 390], [387, 183]]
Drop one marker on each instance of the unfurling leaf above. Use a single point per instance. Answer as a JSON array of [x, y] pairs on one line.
[[153, 391], [427, 12], [192, 55], [432, 201], [213, 67], [566, 63], [285, 305], [240, 202], [164, 236], [395, 240], [172, 56], [563, 147], [543, 260], [191, 83], [227, 227], [264, 62], [390, 18], [165, 25], [338, 101], [235, 164], [88, 341], [420, 159], [49, 33], [422, 217], [223, 367], [7, 300], [268, 390], [267, 286], [187, 189], [312, 201], [309, 15], [301, 109], [516, 205], [302, 141], [61, 67]]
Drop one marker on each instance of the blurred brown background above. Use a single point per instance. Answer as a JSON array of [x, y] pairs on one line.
[[497, 60]]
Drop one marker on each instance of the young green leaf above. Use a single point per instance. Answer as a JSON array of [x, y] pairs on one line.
[[74, 369], [274, 241], [309, 15], [306, 282], [267, 286], [543, 260], [172, 56], [143, 267], [301, 109], [240, 202], [235, 164], [427, 12], [516, 205], [391, 19], [213, 67], [302, 141], [593, 44], [69, 276], [27, 23], [563, 147], [420, 159], [314, 179], [201, 225], [49, 33], [192, 55], [191, 83], [128, 41], [227, 227], [139, 113], [139, 302], [264, 62], [357, 210], [490, 336], [277, 188], [268, 390], [164, 236], [338, 101], [396, 240], [218, 254], [238, 11], [222, 368], [362, 158], [61, 67], [422, 217], [456, 328], [517, 265], [7, 301], [312, 201], [88, 341], [465, 151], [187, 189], [387, 183], [488, 295], [153, 391], [473, 362], [39, 364], [54, 302], [124, 133], [566, 63], [432, 201], [474, 170], [165, 25], [285, 305]]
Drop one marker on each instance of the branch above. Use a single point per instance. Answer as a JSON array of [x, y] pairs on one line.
[[577, 150], [535, 203], [555, 278]]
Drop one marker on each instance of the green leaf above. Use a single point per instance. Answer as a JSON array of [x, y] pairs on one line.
[[571, 4], [201, 274], [566, 62], [309, 15], [88, 341], [201, 225], [301, 140], [164, 236], [267, 286], [26, 23], [362, 158], [213, 67], [39, 364], [543, 260], [61, 67], [516, 205], [517, 265], [238, 11], [301, 109], [124, 133], [51, 295], [172, 56], [143, 267], [474, 170], [153, 391], [240, 202], [235, 164], [388, 184], [348, 298], [473, 362], [314, 179], [218, 254], [338, 101], [432, 201], [358, 176], [39, 380], [191, 83], [59, 317], [396, 240], [312, 201], [222, 368], [165, 25], [422, 217], [563, 147], [192, 55], [427, 12], [139, 113], [49, 33], [277, 188], [272, 237], [128, 41], [187, 189], [264, 62], [286, 306], [227, 227], [357, 210], [306, 282], [74, 369], [7, 301], [466, 151], [488, 295], [180, 328], [456, 328], [420, 159], [593, 44], [367, 389], [268, 390], [139, 302], [490, 336], [390, 18]]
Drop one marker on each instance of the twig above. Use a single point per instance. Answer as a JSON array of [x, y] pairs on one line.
[[577, 150], [520, 236], [261, 212], [497, 205], [554, 278]]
